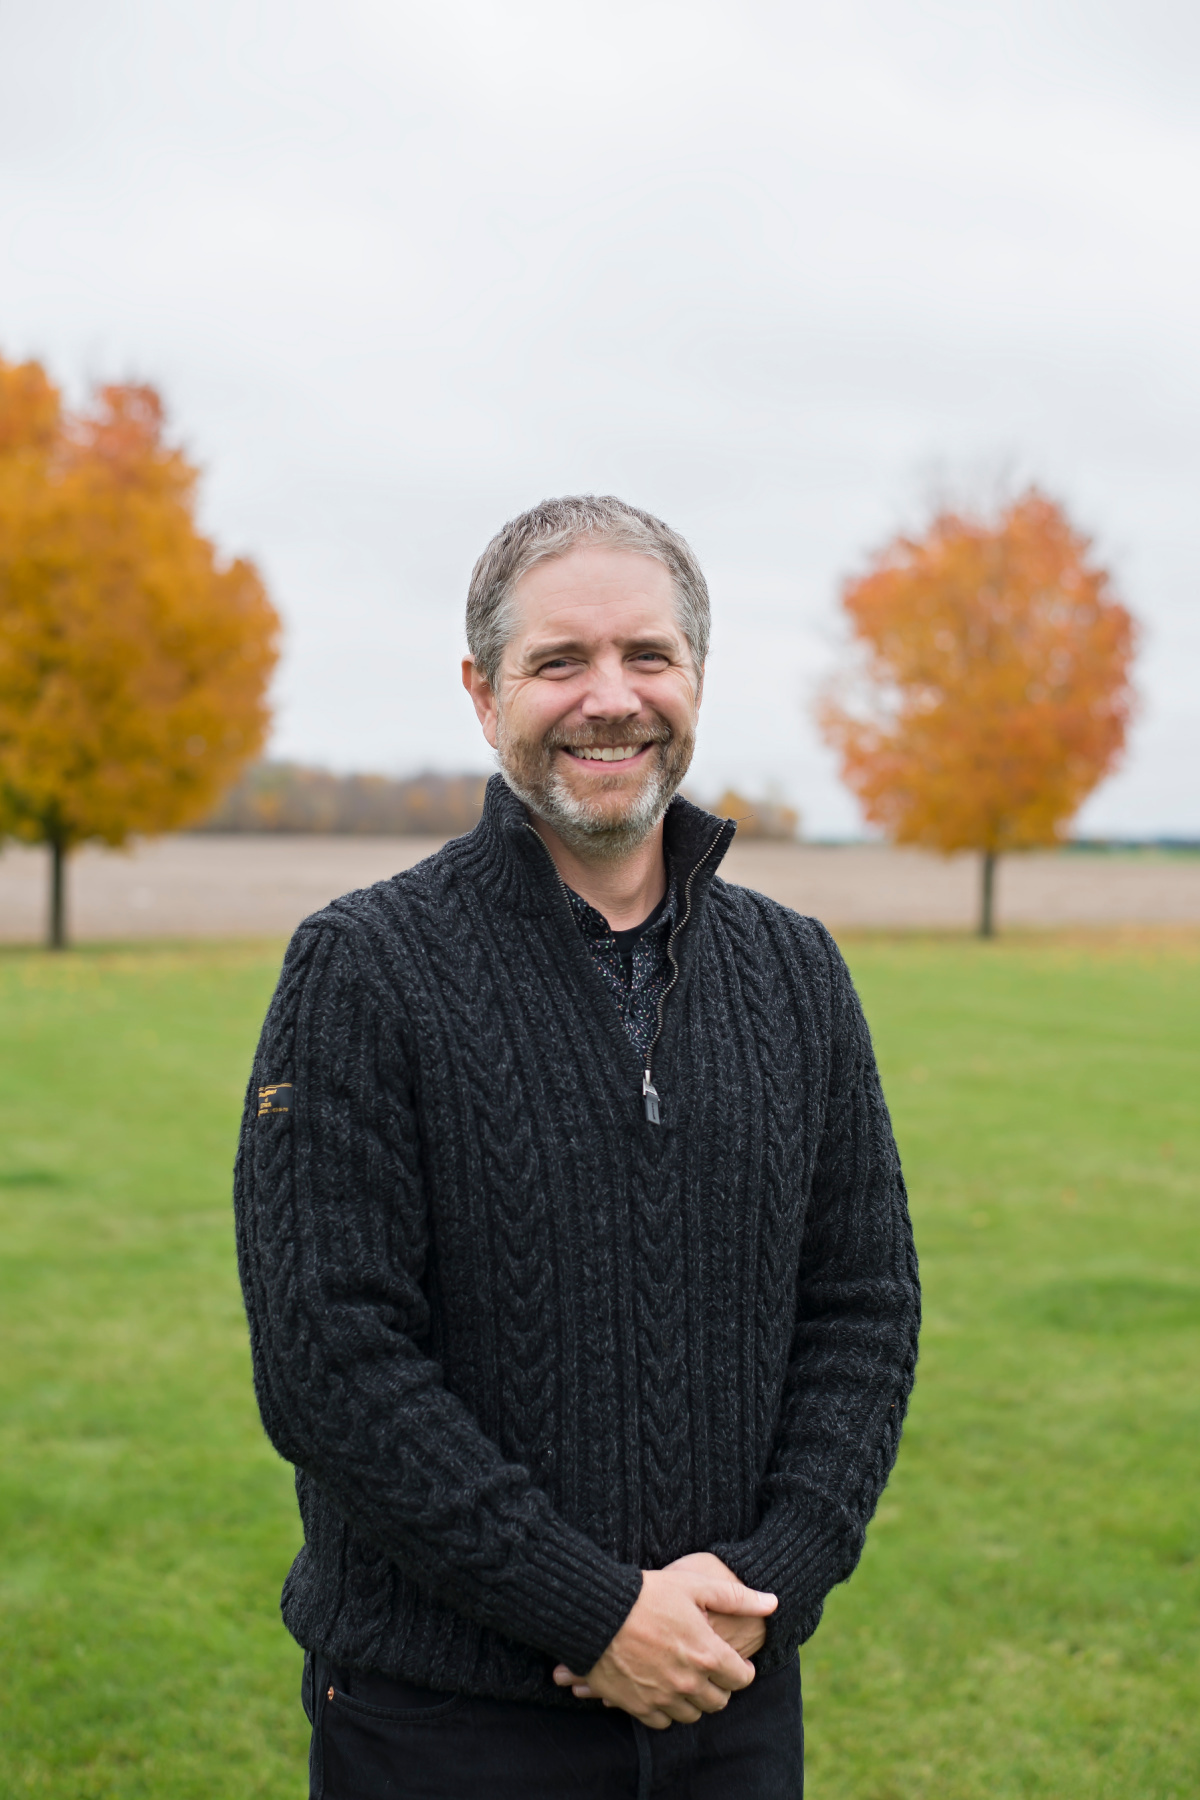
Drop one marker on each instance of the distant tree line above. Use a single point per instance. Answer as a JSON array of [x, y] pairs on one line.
[[293, 797], [288, 796]]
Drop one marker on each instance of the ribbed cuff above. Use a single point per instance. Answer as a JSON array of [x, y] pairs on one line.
[[798, 1554], [568, 1598]]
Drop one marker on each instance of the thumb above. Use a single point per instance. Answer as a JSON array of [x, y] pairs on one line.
[[733, 1596]]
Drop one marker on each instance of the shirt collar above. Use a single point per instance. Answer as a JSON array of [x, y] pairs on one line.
[[594, 924]]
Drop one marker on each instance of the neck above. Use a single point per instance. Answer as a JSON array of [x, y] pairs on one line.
[[624, 891]]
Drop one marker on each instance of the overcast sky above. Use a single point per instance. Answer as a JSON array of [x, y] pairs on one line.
[[779, 273]]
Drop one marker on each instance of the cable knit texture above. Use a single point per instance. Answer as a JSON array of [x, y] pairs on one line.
[[519, 1342]]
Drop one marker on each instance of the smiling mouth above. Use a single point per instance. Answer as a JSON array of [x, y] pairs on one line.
[[609, 753]]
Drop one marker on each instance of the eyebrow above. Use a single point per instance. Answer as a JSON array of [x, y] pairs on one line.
[[576, 647]]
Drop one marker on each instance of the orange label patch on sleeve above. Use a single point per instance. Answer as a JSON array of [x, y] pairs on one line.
[[275, 1099]]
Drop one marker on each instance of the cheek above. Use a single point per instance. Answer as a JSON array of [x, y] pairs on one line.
[[531, 708], [675, 698]]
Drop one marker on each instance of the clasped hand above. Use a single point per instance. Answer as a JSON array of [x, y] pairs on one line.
[[684, 1647]]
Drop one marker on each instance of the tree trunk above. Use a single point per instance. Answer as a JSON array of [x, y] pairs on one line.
[[58, 895], [987, 896]]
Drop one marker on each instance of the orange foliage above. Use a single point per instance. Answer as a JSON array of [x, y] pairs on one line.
[[757, 819], [997, 681], [133, 662]]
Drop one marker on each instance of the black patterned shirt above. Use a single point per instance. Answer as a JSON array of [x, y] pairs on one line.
[[633, 965]]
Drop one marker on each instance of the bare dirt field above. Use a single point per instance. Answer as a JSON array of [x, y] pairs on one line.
[[243, 885]]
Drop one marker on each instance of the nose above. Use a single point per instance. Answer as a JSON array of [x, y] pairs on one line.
[[610, 694]]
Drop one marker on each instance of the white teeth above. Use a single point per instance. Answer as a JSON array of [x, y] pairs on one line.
[[617, 753]]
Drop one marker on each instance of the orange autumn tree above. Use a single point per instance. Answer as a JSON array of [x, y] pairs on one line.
[[134, 661], [993, 685]]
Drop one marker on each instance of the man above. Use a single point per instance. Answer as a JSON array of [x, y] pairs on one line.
[[581, 1287]]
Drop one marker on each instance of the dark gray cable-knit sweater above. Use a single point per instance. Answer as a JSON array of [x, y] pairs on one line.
[[519, 1341]]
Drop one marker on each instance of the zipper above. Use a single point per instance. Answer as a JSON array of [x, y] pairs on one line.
[[650, 1098], [562, 884]]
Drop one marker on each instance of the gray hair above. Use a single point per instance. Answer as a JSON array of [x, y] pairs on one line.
[[552, 529]]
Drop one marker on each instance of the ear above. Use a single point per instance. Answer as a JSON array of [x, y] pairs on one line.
[[482, 698]]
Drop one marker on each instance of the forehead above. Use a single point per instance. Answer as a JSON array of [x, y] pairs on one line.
[[595, 591]]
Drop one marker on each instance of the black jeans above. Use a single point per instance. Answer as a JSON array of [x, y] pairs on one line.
[[378, 1739]]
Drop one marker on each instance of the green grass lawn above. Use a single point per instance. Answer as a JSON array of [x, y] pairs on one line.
[[1026, 1619]]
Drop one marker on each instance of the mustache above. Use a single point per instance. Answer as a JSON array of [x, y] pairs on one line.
[[607, 738]]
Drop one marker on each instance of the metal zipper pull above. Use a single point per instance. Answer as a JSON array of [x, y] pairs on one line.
[[650, 1100]]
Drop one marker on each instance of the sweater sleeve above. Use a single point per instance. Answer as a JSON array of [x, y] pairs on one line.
[[332, 1240], [853, 1352]]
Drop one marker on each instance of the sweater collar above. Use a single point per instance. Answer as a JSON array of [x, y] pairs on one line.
[[505, 855]]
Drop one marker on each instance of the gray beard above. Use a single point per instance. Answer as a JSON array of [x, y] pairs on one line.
[[589, 828]]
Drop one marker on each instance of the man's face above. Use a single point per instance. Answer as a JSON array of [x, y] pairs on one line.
[[594, 719]]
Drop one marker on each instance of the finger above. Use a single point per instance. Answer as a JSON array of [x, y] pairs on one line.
[[732, 1668], [735, 1597], [583, 1692], [564, 1677], [657, 1721], [729, 1670], [687, 1711], [711, 1698]]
